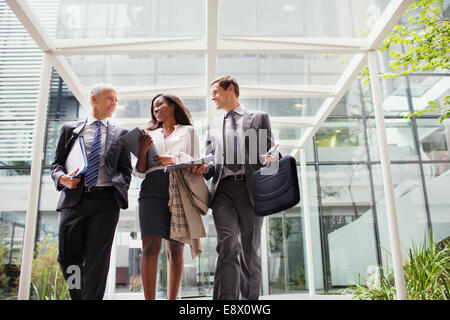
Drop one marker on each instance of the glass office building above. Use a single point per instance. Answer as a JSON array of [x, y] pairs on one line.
[[349, 228]]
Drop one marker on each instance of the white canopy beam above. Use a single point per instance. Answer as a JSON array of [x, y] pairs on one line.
[[71, 79], [389, 196], [344, 82], [291, 45], [46, 44], [212, 16], [70, 47], [390, 16], [224, 45], [35, 182]]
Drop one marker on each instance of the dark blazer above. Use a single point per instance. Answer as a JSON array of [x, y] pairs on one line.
[[117, 164], [256, 120]]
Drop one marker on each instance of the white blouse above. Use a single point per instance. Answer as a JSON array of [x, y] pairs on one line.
[[182, 143]]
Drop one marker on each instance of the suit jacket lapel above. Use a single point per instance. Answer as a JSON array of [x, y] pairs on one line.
[[110, 134], [247, 120]]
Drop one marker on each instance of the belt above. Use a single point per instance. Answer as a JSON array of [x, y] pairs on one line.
[[96, 189], [238, 177]]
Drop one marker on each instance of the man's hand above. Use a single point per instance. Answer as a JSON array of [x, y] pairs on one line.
[[69, 181], [199, 169], [268, 156]]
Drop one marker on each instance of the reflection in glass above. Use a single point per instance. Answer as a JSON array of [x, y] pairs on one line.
[[437, 180], [301, 107], [400, 139], [14, 187], [410, 207], [286, 253], [341, 140], [315, 228], [140, 70], [300, 18], [434, 139], [288, 69], [73, 19], [347, 220], [356, 99]]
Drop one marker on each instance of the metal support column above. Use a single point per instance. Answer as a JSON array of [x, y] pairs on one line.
[[307, 220], [389, 197], [35, 181]]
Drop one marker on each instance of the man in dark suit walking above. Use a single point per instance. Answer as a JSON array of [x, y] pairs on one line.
[[237, 141], [90, 204]]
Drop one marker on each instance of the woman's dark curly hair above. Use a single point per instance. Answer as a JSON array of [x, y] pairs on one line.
[[182, 114]]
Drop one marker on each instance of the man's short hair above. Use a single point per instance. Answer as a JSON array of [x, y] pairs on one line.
[[225, 81], [97, 90]]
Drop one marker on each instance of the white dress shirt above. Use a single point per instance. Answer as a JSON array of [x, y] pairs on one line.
[[182, 144]]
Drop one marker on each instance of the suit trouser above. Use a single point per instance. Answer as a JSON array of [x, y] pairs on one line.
[[238, 269], [86, 233]]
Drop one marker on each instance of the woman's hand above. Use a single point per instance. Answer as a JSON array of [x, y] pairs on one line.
[[145, 142], [164, 160]]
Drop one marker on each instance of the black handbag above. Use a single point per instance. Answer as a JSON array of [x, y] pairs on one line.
[[275, 190]]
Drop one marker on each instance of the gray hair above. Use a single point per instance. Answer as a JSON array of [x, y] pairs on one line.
[[97, 90]]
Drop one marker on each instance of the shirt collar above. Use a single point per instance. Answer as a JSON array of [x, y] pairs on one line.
[[239, 110], [92, 119]]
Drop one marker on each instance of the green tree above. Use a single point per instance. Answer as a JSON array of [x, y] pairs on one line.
[[424, 37]]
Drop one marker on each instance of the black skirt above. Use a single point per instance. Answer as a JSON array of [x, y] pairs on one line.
[[154, 213]]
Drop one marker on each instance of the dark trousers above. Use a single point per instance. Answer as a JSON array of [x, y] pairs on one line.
[[86, 233], [238, 269]]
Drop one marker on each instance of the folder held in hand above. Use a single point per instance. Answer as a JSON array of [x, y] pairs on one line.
[[131, 139], [190, 164], [77, 157]]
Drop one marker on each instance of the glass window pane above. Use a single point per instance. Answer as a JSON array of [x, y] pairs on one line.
[[341, 140], [295, 108], [315, 228], [357, 98], [437, 179], [434, 139], [429, 88], [400, 139], [410, 207], [14, 187], [71, 19], [286, 246], [286, 253], [298, 18], [140, 70], [347, 222], [289, 69], [394, 93]]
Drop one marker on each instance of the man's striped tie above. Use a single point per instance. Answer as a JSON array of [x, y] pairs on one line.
[[94, 157]]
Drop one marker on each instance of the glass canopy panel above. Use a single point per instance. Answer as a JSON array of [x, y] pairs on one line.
[[298, 18], [72, 19], [285, 69], [140, 70]]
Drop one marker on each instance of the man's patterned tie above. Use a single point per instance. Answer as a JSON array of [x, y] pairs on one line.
[[94, 157]]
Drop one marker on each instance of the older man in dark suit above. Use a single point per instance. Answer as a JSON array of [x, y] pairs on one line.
[[90, 203], [237, 141]]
